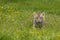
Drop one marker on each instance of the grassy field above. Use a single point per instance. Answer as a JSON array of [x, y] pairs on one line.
[[16, 20]]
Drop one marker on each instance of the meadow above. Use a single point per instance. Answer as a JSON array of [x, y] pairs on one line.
[[16, 20]]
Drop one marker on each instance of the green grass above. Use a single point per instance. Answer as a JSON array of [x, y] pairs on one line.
[[16, 20]]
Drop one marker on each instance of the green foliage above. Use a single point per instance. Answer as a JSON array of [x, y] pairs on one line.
[[16, 20]]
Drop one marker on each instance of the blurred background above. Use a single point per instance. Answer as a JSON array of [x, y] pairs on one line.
[[16, 19]]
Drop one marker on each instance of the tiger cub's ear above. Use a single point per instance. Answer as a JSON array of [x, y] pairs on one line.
[[42, 14], [35, 14]]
